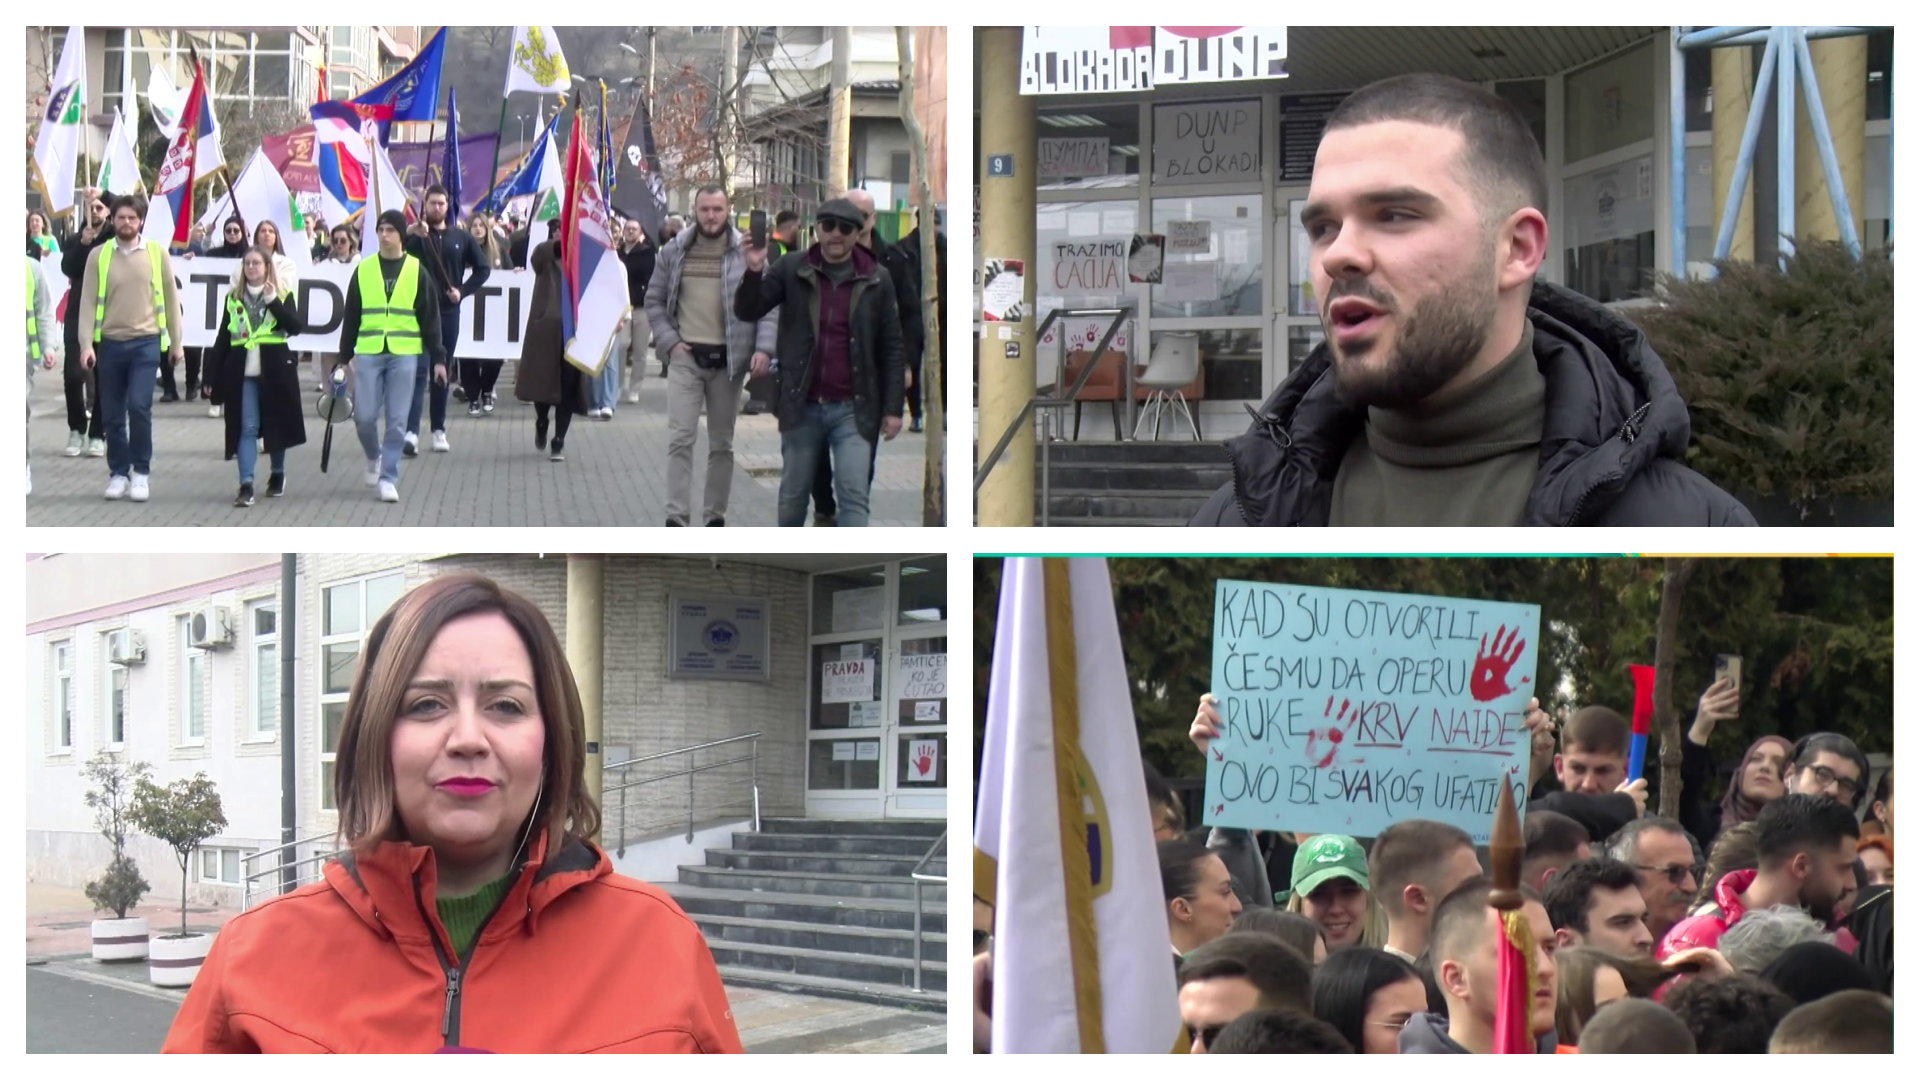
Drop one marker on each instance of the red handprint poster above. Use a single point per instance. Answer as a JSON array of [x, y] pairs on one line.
[[923, 761], [1344, 711]]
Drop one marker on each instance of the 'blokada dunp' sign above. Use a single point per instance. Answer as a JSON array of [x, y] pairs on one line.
[[1344, 711]]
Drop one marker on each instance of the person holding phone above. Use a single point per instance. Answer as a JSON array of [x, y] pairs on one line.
[[468, 907]]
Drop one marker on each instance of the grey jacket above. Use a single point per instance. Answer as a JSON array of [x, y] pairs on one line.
[[43, 318], [663, 303]]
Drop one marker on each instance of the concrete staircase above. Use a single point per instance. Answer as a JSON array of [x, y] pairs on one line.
[[823, 907], [1131, 483]]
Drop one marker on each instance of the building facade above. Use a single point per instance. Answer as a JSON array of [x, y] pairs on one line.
[[1233, 159], [847, 719]]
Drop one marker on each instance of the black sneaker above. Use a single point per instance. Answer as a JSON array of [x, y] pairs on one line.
[[245, 498], [717, 523], [672, 524], [824, 521], [168, 396], [540, 433], [473, 410], [459, 392], [276, 485], [915, 426], [557, 454]]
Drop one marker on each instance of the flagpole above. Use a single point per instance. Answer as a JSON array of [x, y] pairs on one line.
[[500, 136]]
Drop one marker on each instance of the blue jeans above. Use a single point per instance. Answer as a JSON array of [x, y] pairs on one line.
[[825, 428], [423, 375], [128, 370], [383, 383], [249, 451], [606, 386]]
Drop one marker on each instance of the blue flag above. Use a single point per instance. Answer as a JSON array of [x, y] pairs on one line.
[[525, 178], [450, 159], [413, 91]]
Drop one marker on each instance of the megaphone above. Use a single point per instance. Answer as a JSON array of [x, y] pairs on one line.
[[334, 407]]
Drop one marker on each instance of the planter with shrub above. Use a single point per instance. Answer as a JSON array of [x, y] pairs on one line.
[[182, 815], [120, 889], [1788, 376]]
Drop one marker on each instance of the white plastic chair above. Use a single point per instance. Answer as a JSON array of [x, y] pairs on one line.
[[1174, 363]]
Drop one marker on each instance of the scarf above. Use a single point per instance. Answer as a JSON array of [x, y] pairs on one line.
[[254, 300], [1735, 806]]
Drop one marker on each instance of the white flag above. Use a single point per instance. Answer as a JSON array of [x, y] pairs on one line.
[[120, 169], [535, 64], [260, 194], [1048, 969], [56, 152], [165, 99]]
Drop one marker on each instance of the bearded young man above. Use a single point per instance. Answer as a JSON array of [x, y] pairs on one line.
[[1453, 388]]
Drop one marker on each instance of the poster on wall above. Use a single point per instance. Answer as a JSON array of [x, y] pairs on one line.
[[1063, 158], [863, 714], [1105, 59], [1610, 204], [1189, 237], [1003, 289], [1192, 283], [859, 609], [1206, 142], [847, 681], [919, 676], [1145, 257], [717, 637], [923, 761], [869, 751], [843, 751], [1095, 267]]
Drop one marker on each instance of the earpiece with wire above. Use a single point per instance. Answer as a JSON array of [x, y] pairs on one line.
[[533, 816]]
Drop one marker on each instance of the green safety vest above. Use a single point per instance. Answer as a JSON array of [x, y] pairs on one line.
[[159, 293], [246, 335], [387, 323], [33, 324]]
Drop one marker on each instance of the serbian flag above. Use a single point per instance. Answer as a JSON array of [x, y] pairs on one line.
[[1513, 996], [1063, 844], [1642, 720], [592, 276], [341, 158], [170, 215]]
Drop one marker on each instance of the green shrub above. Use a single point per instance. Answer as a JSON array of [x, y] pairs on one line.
[[119, 889], [1788, 374]]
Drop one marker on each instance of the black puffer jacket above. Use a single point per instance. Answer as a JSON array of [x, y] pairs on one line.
[[1610, 455]]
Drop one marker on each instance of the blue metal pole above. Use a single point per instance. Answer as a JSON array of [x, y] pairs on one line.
[[1701, 39], [1758, 36], [1783, 119], [1749, 140], [1677, 149], [1823, 142]]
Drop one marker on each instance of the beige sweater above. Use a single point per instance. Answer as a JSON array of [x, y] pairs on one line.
[[129, 312]]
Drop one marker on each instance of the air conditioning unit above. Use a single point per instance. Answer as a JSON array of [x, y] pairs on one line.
[[126, 648], [213, 628]]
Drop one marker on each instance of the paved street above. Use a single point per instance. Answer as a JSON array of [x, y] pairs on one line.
[[76, 1005], [615, 472]]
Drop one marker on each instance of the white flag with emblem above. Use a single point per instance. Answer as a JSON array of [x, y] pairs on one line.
[[535, 63], [119, 169], [56, 149]]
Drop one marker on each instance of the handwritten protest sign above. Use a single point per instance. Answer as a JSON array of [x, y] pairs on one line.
[[1344, 711]]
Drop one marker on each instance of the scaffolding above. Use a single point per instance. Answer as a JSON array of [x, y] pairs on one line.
[[1786, 51]]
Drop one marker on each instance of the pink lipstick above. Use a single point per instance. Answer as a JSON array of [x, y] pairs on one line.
[[466, 786]]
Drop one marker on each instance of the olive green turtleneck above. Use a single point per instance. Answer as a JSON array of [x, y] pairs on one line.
[[1466, 456], [462, 915]]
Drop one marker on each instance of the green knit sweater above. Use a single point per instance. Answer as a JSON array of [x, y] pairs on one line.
[[462, 915]]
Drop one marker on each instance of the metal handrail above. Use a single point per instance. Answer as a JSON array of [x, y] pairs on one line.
[[920, 880], [278, 868], [691, 772], [1035, 401]]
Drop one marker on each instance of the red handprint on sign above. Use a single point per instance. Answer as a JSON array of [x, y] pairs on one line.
[[923, 760], [1489, 679], [1333, 735]]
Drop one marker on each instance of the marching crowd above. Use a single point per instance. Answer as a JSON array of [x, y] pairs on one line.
[[829, 333], [1762, 924]]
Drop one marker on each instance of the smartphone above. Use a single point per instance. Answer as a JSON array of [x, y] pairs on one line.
[[1727, 667], [757, 224]]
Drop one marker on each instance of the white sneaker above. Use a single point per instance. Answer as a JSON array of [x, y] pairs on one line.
[[139, 493], [633, 397], [440, 442], [29, 477], [216, 411], [373, 472], [486, 404], [412, 446], [96, 448], [76, 444], [389, 493], [117, 488]]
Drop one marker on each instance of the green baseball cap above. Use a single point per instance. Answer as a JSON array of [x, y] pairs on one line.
[[1326, 857]]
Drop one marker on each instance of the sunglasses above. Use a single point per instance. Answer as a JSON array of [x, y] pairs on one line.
[[835, 225], [1675, 873], [1204, 1036]]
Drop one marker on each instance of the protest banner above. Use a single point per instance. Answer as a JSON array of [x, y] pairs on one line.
[[492, 320], [1345, 711]]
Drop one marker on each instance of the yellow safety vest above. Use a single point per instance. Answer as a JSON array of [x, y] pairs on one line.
[[159, 291], [246, 335], [33, 324], [387, 323]]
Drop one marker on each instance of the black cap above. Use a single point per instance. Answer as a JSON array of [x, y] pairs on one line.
[[394, 218], [841, 210]]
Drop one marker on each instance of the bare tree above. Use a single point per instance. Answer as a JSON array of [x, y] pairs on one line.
[[932, 485], [1673, 587]]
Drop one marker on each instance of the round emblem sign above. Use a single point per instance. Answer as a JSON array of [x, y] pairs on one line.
[[721, 636]]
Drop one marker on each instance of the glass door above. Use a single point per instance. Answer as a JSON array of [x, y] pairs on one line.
[[1296, 320]]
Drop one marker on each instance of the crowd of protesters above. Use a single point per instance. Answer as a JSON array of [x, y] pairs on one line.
[[1760, 924], [831, 330]]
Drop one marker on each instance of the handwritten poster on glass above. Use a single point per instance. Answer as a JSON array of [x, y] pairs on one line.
[[1345, 711], [843, 681], [1206, 142], [921, 675]]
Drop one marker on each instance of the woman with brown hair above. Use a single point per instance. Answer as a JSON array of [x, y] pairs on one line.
[[470, 908], [1589, 978]]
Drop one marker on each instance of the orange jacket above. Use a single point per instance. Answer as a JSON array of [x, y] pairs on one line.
[[576, 959]]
